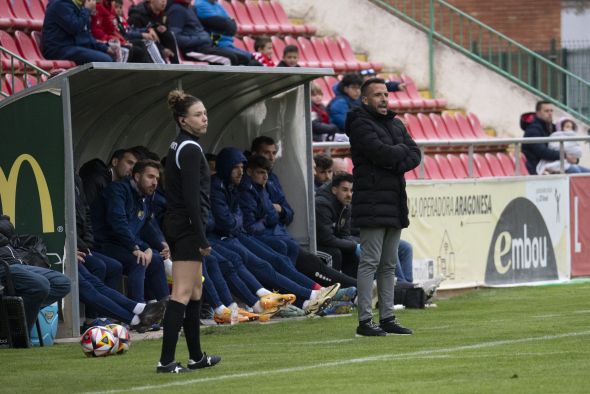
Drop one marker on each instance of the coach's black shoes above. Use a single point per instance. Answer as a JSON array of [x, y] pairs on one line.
[[368, 328], [205, 362], [173, 367], [391, 326]]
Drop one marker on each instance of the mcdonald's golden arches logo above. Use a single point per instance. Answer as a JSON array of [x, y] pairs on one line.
[[8, 191]]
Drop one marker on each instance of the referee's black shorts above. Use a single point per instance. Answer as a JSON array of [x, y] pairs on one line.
[[181, 238]]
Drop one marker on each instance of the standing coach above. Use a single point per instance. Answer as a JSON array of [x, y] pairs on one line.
[[382, 152]]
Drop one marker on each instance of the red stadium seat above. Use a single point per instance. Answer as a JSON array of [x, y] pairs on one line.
[[324, 56], [258, 19], [523, 169], [36, 10], [7, 41], [427, 127], [482, 165], [464, 126], [9, 21], [413, 93], [431, 168], [440, 127], [336, 55], [458, 167], [507, 163], [271, 18], [444, 166], [245, 25], [465, 160], [476, 126], [494, 164], [29, 50], [414, 127], [244, 17], [249, 44], [36, 36], [283, 19], [18, 84], [310, 53], [19, 9], [349, 55], [278, 45], [453, 128]]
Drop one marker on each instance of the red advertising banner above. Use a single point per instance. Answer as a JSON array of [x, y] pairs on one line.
[[580, 225]]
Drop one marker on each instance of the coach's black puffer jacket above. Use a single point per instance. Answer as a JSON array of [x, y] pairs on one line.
[[382, 152]]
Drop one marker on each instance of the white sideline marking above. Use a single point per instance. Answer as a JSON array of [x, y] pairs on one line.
[[429, 352]]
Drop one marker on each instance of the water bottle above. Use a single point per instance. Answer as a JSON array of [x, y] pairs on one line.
[[234, 314]]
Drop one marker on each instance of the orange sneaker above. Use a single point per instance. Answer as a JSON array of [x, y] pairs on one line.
[[274, 301]]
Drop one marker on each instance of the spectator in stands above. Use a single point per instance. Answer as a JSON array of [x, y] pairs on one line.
[[380, 145], [272, 269], [261, 221], [126, 231], [542, 126], [110, 303], [104, 29], [266, 147], [322, 172], [565, 127], [96, 176], [263, 51], [66, 33], [222, 28], [348, 93], [392, 86], [147, 21], [38, 286], [321, 127], [193, 39], [290, 57]]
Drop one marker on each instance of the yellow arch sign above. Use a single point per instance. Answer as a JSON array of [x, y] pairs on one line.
[[8, 191]]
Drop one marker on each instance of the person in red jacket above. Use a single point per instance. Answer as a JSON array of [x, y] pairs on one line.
[[104, 29]]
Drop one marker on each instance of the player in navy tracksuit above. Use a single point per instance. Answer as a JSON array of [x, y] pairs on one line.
[[271, 268], [261, 221], [127, 232]]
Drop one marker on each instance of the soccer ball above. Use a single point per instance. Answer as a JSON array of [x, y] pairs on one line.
[[123, 336], [98, 342]]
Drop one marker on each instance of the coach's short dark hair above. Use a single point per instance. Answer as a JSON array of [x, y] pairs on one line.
[[369, 82]]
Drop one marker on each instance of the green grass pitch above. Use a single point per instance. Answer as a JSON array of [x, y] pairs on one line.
[[509, 340]]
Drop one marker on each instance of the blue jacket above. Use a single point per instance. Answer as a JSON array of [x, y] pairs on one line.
[[277, 196], [206, 9], [66, 25], [339, 107], [260, 217], [536, 152], [127, 219], [184, 23], [225, 197]]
